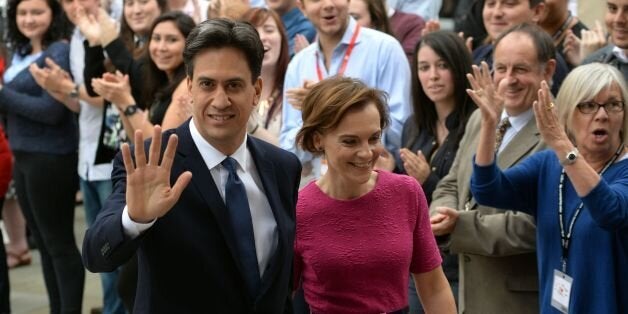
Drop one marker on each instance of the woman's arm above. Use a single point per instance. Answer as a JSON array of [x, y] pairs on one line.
[[39, 105], [435, 292], [179, 109]]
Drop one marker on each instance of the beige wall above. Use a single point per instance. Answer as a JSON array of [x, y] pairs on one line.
[[591, 10]]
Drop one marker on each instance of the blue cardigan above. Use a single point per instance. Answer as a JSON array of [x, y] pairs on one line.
[[598, 253], [36, 122]]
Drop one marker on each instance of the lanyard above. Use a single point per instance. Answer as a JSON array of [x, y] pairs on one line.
[[565, 238], [345, 59]]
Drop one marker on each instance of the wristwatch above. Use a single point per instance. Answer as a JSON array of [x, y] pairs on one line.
[[74, 93], [571, 157], [130, 110]]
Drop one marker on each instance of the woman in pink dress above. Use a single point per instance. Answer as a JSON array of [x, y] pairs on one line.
[[360, 230]]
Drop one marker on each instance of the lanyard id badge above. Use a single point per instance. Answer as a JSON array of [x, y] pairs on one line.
[[561, 291]]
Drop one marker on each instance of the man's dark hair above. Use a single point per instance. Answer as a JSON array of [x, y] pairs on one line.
[[221, 33], [541, 40]]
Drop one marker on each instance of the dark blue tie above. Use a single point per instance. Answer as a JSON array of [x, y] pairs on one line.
[[242, 224]]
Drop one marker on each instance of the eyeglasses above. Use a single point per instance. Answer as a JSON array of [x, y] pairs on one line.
[[590, 107]]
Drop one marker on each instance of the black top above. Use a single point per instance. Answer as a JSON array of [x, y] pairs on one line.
[[121, 59], [440, 158]]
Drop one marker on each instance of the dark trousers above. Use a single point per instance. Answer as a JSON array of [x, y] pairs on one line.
[[5, 304], [46, 186]]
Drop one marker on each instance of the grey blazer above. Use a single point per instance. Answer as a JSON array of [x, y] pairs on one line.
[[496, 248]]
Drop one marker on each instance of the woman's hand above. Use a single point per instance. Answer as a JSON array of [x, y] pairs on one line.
[[89, 26], [115, 88], [415, 165], [296, 95], [385, 161], [549, 126], [109, 29], [430, 27], [485, 95], [300, 42]]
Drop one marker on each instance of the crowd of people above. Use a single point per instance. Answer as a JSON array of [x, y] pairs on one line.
[[317, 156]]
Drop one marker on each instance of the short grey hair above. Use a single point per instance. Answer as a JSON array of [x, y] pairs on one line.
[[583, 84]]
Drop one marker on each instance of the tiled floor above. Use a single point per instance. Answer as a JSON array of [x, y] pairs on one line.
[[28, 293]]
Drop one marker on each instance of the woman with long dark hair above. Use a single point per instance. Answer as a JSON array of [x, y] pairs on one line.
[[441, 106], [43, 136], [163, 84]]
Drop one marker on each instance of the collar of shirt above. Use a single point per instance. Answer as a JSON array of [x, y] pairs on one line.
[[519, 121], [214, 157], [620, 54]]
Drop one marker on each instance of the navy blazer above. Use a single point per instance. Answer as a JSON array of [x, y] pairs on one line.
[[187, 261]]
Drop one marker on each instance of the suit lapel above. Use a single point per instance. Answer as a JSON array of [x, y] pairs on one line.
[[205, 186], [269, 181], [519, 146]]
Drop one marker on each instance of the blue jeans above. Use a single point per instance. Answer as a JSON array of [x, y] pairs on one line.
[[94, 195]]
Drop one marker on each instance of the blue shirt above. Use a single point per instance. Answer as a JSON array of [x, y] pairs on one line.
[[377, 59], [296, 23]]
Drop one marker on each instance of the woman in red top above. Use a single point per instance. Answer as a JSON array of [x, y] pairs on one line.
[[6, 168]]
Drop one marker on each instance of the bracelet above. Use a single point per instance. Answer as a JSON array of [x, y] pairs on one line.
[[254, 129]]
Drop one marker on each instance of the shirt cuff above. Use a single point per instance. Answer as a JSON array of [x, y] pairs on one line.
[[131, 228]]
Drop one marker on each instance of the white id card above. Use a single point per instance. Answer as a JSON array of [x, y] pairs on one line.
[[561, 291]]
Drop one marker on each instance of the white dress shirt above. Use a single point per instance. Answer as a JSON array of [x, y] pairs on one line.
[[516, 124], [264, 223]]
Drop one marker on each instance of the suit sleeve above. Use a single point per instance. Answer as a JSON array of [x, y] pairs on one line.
[[494, 232], [105, 246]]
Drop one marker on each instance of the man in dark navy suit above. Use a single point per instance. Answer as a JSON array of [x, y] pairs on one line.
[[213, 220]]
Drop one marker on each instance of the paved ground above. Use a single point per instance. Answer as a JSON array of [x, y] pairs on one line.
[[28, 293]]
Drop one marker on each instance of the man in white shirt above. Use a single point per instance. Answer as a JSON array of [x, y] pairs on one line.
[[212, 226]]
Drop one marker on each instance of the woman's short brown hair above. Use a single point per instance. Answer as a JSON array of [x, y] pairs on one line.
[[330, 100]]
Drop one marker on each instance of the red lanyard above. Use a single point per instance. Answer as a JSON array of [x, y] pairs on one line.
[[345, 59]]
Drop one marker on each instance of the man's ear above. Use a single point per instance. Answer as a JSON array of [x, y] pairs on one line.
[[189, 80], [538, 12], [550, 67], [258, 90]]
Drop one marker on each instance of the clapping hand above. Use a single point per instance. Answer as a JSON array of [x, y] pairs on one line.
[[296, 95], [300, 42], [149, 194], [115, 88], [415, 165], [385, 161], [89, 26], [108, 28], [430, 27], [577, 49]]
